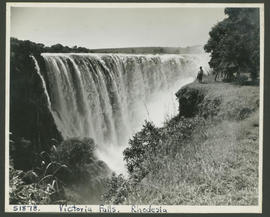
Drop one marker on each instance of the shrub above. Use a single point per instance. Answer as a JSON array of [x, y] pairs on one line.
[[78, 155], [148, 151], [40, 192], [117, 189], [143, 145], [70, 166]]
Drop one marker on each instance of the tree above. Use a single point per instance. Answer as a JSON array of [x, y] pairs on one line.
[[234, 43], [142, 146]]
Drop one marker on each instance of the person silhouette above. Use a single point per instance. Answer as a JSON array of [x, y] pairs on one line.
[[200, 75]]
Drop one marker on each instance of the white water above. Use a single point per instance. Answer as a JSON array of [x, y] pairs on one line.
[[108, 96]]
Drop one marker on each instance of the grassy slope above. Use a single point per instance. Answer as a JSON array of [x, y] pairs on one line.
[[218, 165]]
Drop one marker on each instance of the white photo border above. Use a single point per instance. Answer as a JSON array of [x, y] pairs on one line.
[[128, 208]]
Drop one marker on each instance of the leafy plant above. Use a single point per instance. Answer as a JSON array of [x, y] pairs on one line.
[[142, 146], [78, 155], [118, 189], [46, 190], [234, 43], [41, 185]]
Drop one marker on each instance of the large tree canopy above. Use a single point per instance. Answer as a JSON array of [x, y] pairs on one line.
[[234, 43]]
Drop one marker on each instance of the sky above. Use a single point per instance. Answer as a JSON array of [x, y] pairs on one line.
[[115, 27]]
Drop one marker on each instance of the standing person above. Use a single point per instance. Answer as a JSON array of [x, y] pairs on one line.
[[200, 75]]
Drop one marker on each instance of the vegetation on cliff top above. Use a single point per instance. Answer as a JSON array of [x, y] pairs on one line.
[[207, 155]]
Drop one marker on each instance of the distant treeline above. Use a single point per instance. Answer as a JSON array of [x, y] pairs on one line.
[[33, 47], [152, 50], [26, 46]]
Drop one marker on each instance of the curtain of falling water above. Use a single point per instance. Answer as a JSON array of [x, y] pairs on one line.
[[105, 96]]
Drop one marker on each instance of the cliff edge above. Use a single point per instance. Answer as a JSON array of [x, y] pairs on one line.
[[207, 155]]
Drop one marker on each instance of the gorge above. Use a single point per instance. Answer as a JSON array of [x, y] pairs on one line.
[[108, 96]]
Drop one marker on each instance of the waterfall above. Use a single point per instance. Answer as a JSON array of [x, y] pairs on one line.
[[108, 96], [37, 68]]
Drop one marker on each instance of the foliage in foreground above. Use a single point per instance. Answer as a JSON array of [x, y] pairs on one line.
[[142, 146], [234, 43], [33, 188], [148, 148], [71, 163]]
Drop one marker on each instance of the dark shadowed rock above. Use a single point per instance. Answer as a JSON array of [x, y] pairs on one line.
[[189, 98]]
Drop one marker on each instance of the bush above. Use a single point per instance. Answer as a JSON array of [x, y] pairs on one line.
[[150, 145], [40, 185], [78, 155], [145, 156], [69, 167], [117, 189], [143, 145], [85, 175], [43, 191]]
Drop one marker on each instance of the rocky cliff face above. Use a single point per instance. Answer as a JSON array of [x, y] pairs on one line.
[[31, 122]]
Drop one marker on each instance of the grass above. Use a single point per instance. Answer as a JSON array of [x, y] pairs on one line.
[[218, 163]]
